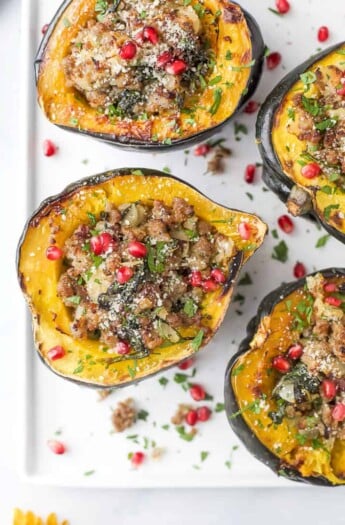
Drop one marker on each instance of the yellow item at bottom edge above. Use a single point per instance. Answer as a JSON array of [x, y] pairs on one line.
[[29, 518]]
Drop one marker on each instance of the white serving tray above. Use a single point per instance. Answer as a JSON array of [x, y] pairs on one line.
[[51, 404]]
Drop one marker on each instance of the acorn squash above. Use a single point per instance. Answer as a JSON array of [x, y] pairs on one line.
[[87, 359], [285, 386], [300, 133], [169, 87]]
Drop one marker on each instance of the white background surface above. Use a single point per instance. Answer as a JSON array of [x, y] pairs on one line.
[[93, 507]]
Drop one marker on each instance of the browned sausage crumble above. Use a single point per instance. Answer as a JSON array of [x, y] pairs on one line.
[[138, 274]]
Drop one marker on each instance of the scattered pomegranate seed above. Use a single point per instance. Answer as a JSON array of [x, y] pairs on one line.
[[285, 223], [341, 91], [209, 285], [191, 417], [333, 301], [273, 60], [281, 364], [124, 274], [122, 348], [311, 170], [323, 34], [197, 392], [330, 287], [137, 249], [218, 276], [204, 414], [295, 351], [338, 412], [244, 230], [299, 270], [128, 51], [150, 34], [177, 67], [195, 278], [56, 446], [53, 253], [137, 458], [251, 107], [202, 150], [164, 59], [249, 173], [188, 363], [44, 29], [101, 243], [282, 6], [57, 352], [49, 148], [329, 389]]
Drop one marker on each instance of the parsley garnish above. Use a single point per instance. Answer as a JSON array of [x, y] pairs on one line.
[[196, 342], [190, 308], [245, 280], [236, 371], [187, 436], [280, 252], [328, 210], [163, 381], [217, 97], [322, 241], [142, 414]]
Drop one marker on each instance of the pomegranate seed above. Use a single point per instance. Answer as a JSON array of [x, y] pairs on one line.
[[244, 230], [281, 364], [329, 389], [124, 274], [338, 412], [49, 148], [273, 60], [330, 287], [122, 348], [137, 249], [188, 363], [299, 270], [341, 91], [311, 170], [204, 414], [249, 173], [251, 107], [333, 301], [56, 446], [323, 34], [177, 67], [150, 34], [202, 150], [57, 352], [195, 278], [295, 351], [137, 458], [164, 59], [285, 223], [282, 6], [218, 276], [44, 29], [102, 243], [191, 417], [209, 285], [197, 392], [128, 51], [53, 253]]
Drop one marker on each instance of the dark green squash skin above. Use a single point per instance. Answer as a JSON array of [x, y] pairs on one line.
[[258, 51], [234, 267], [238, 424], [273, 174]]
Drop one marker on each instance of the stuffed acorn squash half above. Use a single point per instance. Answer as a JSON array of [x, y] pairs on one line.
[[285, 388], [301, 136], [148, 74], [130, 272]]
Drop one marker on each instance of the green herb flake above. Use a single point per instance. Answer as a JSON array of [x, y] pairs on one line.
[[66, 22], [215, 80], [133, 370], [328, 210], [142, 414], [204, 455], [190, 308], [245, 66], [163, 381], [322, 241], [236, 371], [280, 252], [245, 280], [217, 97], [186, 436], [137, 172], [79, 369], [228, 55], [220, 407], [196, 342], [92, 218], [89, 472]]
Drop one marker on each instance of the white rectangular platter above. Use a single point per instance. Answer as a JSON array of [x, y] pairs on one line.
[[83, 423]]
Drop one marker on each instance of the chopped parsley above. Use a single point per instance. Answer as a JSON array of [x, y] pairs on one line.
[[280, 252]]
